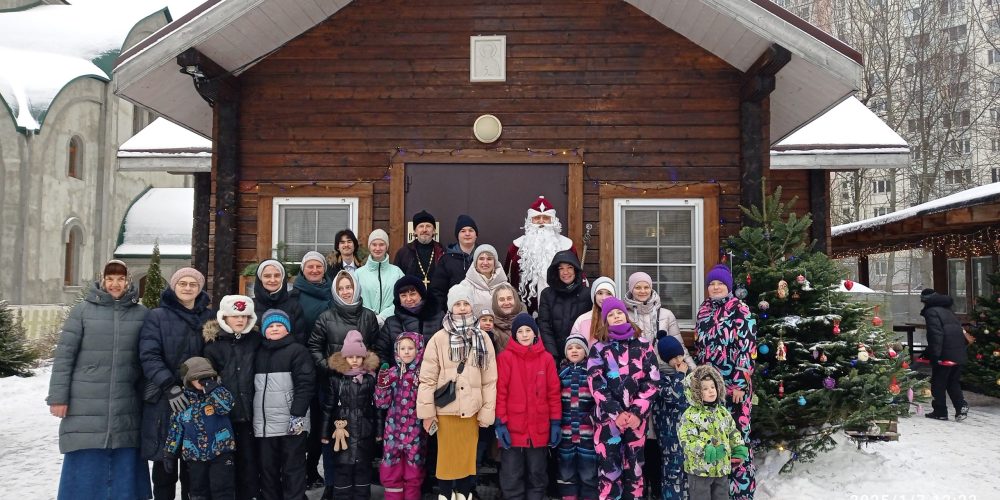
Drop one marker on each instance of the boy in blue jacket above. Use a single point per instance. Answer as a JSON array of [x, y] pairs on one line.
[[202, 434]]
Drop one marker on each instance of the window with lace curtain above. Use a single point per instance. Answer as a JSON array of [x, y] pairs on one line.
[[665, 239], [310, 223]]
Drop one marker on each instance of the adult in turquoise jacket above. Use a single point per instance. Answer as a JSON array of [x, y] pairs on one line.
[[378, 277], [94, 390]]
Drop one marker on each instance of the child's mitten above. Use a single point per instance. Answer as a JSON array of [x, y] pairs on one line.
[[296, 425], [503, 435]]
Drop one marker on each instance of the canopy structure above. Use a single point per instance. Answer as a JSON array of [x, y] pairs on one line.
[[848, 137], [237, 34], [159, 215], [962, 224], [167, 147]]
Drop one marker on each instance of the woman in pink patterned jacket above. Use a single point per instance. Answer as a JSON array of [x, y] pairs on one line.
[[402, 468], [726, 339]]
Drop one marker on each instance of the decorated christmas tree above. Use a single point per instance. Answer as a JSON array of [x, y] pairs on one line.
[[823, 365], [16, 355], [983, 370], [154, 280]]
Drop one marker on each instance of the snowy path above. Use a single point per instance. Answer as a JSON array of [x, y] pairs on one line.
[[932, 460]]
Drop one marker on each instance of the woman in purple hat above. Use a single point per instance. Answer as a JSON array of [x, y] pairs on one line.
[[726, 339]]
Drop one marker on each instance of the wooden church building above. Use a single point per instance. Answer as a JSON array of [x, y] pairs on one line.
[[646, 122]]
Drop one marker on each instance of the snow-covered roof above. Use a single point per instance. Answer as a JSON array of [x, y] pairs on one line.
[[163, 215], [166, 146], [849, 136], [974, 196], [855, 288], [44, 48], [822, 70]]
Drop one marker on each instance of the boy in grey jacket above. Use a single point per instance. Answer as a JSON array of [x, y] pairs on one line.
[[284, 383]]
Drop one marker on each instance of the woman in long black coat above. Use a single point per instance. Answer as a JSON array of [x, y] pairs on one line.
[[947, 351]]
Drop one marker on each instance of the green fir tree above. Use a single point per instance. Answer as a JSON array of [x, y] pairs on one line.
[[16, 355], [809, 382], [983, 370], [154, 280]]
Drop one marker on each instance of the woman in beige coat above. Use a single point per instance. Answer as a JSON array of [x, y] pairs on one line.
[[459, 345]]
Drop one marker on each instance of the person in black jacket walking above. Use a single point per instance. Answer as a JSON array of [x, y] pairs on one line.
[[565, 299], [416, 311], [946, 350], [270, 291], [231, 343], [170, 335]]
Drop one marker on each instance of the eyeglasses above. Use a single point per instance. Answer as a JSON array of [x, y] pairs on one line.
[[187, 284]]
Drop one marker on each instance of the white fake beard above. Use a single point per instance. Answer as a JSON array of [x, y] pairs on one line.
[[537, 248]]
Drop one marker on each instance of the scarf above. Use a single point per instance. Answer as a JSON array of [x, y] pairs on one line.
[[464, 336], [623, 331], [358, 373], [415, 310]]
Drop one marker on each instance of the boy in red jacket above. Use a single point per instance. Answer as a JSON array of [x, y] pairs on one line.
[[528, 411]]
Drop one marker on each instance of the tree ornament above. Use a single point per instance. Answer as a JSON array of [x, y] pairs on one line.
[[998, 381], [800, 279], [906, 365], [979, 356], [925, 392], [996, 354], [998, 300], [986, 331], [781, 388], [782, 289], [829, 382], [802, 400], [920, 409], [909, 394], [807, 286], [894, 387], [876, 321], [741, 292], [815, 353], [822, 358], [748, 279], [782, 353], [848, 284], [764, 349], [862, 353], [795, 295], [836, 326], [763, 305], [892, 353]]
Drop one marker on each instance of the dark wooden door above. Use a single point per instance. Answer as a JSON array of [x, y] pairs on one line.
[[497, 196]]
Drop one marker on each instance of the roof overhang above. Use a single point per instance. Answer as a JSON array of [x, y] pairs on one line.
[[163, 146], [967, 218], [237, 33], [848, 137]]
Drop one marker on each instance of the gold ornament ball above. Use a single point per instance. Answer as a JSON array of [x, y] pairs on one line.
[[998, 381]]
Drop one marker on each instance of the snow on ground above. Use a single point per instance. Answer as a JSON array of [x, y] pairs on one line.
[[931, 460]]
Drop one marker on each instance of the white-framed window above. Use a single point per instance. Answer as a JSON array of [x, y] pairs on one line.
[[882, 186], [955, 33], [951, 6], [993, 56], [880, 267], [880, 211], [960, 146], [303, 224], [961, 176], [665, 239]]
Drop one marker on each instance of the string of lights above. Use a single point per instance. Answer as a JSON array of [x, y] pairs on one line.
[[985, 241]]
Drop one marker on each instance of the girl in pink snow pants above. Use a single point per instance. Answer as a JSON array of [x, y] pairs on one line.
[[624, 378], [405, 445]]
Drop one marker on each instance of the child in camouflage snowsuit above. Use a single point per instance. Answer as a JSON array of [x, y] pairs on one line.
[[726, 339], [667, 411], [623, 377], [202, 435], [404, 452], [711, 441]]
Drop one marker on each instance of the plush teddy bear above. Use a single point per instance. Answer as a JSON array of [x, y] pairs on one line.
[[340, 435]]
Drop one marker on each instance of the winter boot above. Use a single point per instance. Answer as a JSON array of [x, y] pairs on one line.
[[937, 415], [962, 412]]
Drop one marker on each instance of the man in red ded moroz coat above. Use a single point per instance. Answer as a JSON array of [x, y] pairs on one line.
[[529, 256]]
